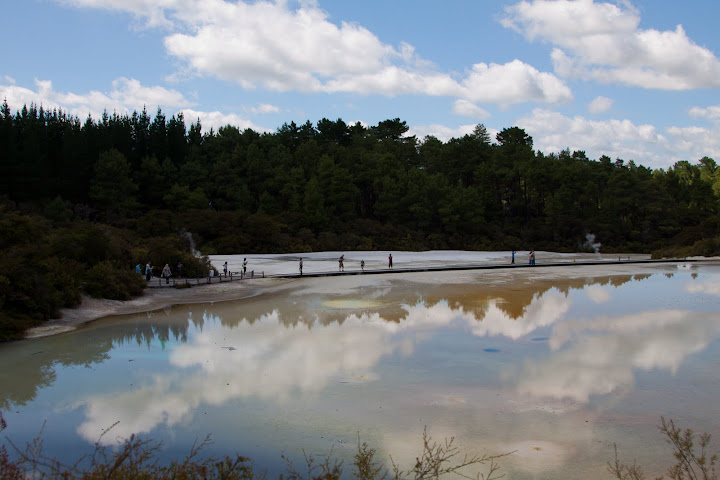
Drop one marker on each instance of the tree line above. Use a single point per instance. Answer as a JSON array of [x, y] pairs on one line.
[[116, 190]]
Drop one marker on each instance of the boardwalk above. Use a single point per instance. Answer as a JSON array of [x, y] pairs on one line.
[[235, 276]]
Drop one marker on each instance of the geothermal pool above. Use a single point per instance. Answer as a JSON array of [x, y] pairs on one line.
[[555, 365]]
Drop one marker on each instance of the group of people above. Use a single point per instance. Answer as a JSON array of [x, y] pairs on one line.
[[166, 273], [243, 271], [341, 263], [531, 257]]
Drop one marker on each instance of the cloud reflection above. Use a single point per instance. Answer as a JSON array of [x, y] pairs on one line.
[[264, 356], [598, 356]]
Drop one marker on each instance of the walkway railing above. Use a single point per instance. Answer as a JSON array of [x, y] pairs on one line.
[[156, 282]]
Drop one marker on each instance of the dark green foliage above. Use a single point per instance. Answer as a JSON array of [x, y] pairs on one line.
[[105, 280]]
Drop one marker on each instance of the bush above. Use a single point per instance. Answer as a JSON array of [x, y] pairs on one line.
[[691, 463], [104, 280]]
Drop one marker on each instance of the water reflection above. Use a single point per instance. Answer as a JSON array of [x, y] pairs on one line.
[[282, 358], [598, 356], [475, 355]]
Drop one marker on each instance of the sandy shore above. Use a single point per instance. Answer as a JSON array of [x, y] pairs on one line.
[[153, 299]]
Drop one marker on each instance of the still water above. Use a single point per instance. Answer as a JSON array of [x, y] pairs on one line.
[[555, 365]]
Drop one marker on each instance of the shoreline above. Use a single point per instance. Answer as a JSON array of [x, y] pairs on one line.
[[91, 309]]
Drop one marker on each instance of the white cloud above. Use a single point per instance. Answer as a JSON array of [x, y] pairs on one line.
[[696, 142], [469, 109], [712, 112], [553, 131], [270, 45], [602, 41], [600, 104], [217, 119], [125, 96], [265, 108], [513, 82]]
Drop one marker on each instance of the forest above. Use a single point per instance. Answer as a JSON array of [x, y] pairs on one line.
[[82, 202]]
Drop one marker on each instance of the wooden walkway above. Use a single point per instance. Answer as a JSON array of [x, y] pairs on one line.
[[156, 282]]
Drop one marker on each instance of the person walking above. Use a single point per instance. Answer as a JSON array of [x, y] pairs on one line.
[[390, 261], [301, 266], [512, 258], [166, 273], [532, 257], [244, 266], [138, 270], [362, 265], [341, 263], [148, 271], [225, 268], [179, 269]]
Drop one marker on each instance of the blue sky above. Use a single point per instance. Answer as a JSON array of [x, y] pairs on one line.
[[637, 80]]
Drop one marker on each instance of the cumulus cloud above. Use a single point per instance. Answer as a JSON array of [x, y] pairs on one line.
[[217, 119], [126, 95], [620, 138], [513, 82], [603, 42], [600, 104], [469, 109], [712, 112], [273, 46]]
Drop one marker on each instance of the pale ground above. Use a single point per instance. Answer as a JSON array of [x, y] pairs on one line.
[[155, 298]]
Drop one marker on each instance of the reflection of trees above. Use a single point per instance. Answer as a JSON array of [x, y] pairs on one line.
[[31, 364], [514, 301]]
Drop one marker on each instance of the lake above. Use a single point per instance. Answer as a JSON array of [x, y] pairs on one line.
[[553, 364]]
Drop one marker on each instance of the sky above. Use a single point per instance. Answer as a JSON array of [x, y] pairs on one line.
[[631, 79]]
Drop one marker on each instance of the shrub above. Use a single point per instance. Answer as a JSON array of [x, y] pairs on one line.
[[104, 280], [691, 463]]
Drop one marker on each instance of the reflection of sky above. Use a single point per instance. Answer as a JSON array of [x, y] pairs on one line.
[[267, 359], [328, 346], [600, 355]]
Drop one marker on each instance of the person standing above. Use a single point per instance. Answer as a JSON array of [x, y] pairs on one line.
[[341, 263], [301, 266], [362, 265], [148, 271], [225, 268], [532, 257], [137, 269], [244, 266], [179, 269], [512, 258], [390, 261], [166, 273]]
